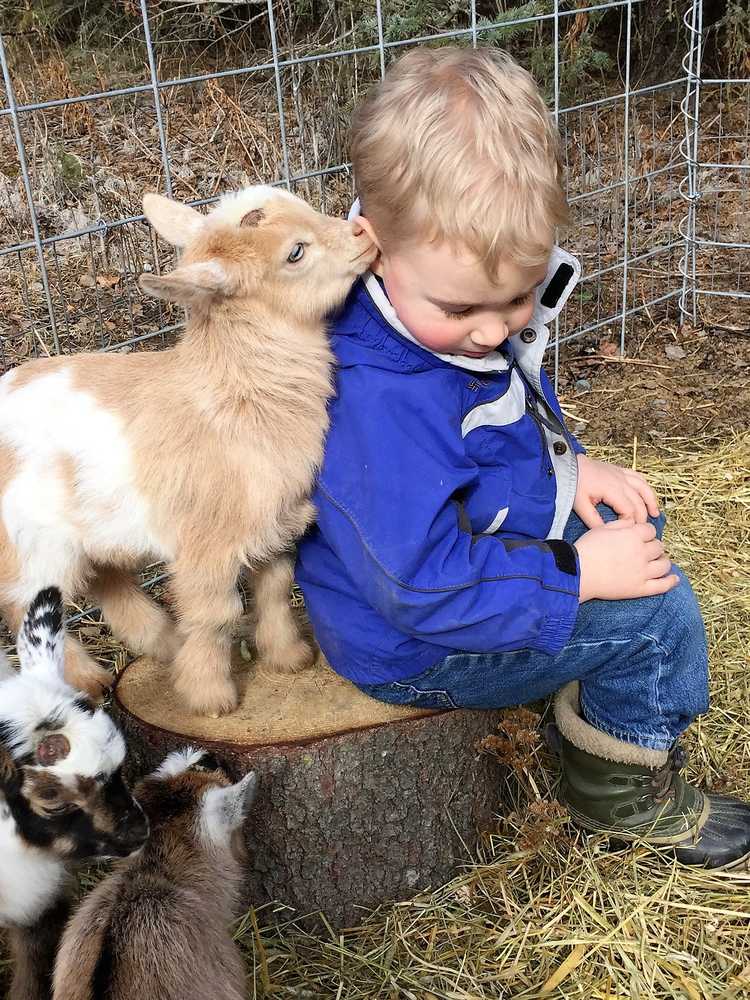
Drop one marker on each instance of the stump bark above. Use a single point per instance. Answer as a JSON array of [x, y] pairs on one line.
[[360, 802]]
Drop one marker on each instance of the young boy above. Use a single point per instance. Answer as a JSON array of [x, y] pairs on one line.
[[467, 551]]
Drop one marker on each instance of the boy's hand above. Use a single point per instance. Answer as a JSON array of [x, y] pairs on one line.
[[625, 491], [623, 559]]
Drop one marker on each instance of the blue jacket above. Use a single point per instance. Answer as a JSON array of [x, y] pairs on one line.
[[445, 488]]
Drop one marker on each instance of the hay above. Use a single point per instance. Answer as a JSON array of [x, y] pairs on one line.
[[546, 912]]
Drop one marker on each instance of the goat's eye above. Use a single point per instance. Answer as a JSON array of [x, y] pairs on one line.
[[51, 749], [297, 253]]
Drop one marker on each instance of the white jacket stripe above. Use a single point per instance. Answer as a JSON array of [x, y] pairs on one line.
[[508, 409], [496, 522]]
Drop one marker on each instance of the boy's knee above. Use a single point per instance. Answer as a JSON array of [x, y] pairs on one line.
[[677, 627]]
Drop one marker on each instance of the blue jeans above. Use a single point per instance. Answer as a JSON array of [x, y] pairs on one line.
[[642, 664]]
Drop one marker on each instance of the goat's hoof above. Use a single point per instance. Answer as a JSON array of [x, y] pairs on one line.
[[291, 659], [212, 701]]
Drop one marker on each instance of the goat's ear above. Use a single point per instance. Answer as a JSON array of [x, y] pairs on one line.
[[190, 283], [175, 222], [224, 810], [40, 640]]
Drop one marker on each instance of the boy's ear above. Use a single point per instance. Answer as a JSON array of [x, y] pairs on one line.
[[376, 267], [189, 284], [365, 223], [175, 222]]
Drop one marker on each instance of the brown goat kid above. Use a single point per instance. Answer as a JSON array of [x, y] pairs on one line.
[[202, 456], [158, 927]]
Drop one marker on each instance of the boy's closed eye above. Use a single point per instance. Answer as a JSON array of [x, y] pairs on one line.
[[455, 312]]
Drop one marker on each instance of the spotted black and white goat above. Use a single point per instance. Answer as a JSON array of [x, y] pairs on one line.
[[159, 925], [62, 796]]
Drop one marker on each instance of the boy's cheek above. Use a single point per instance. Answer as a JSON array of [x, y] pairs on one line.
[[522, 319], [435, 337]]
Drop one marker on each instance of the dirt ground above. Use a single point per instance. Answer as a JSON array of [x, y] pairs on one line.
[[694, 383]]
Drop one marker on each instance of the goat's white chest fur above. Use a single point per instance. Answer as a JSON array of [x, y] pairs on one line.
[[30, 880]]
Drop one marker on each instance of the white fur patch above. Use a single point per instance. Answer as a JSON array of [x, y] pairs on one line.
[[29, 879], [43, 421], [178, 762], [6, 667]]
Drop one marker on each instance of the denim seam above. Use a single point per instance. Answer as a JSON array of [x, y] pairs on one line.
[[661, 737]]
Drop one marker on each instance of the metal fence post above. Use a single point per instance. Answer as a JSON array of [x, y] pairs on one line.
[[24, 164], [689, 185]]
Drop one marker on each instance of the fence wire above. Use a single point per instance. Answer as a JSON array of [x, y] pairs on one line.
[[658, 174]]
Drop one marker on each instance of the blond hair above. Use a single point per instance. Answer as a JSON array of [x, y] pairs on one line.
[[456, 145]]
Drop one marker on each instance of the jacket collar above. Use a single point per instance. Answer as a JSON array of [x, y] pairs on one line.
[[563, 274]]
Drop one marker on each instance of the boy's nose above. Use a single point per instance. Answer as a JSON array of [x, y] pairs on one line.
[[490, 336]]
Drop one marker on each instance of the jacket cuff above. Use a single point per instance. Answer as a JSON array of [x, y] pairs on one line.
[[558, 626]]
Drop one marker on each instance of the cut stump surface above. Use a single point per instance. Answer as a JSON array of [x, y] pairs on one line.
[[360, 802]]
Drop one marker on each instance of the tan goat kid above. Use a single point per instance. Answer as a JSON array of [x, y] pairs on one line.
[[203, 455]]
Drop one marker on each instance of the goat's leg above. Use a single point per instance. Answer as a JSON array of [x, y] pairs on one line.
[[277, 636], [81, 670], [33, 950], [135, 619], [207, 603]]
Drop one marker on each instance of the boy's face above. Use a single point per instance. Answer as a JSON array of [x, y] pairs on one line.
[[447, 303]]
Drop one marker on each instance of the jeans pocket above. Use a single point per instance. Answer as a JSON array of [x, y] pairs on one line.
[[420, 691]]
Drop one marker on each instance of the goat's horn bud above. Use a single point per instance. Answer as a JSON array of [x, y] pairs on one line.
[[253, 218]]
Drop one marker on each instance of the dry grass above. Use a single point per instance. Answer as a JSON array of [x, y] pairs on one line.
[[545, 911]]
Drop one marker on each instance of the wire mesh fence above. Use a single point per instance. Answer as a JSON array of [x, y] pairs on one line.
[[657, 163]]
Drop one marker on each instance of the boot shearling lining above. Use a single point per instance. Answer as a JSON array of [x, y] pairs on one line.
[[584, 737]]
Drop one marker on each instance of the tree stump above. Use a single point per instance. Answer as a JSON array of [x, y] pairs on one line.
[[360, 802]]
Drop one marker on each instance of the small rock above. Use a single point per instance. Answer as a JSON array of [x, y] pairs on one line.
[[125, 349], [582, 385], [87, 281], [674, 352]]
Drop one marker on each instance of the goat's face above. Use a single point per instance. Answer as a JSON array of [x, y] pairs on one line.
[[191, 794], [260, 238], [67, 793]]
